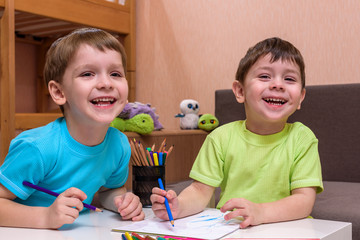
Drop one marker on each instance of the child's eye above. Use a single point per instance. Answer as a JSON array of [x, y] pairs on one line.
[[264, 77], [116, 74], [290, 79], [86, 74]]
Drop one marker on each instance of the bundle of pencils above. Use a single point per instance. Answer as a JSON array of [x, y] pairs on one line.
[[141, 156]]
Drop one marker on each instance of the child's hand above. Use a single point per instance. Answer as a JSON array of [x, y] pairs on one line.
[[251, 212], [65, 208], [158, 203], [129, 206]]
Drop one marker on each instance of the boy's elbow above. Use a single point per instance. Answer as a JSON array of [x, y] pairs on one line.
[[307, 200]]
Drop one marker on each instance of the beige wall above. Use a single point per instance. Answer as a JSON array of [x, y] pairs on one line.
[[188, 48]]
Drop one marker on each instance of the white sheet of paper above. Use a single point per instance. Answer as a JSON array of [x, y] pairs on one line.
[[209, 224]]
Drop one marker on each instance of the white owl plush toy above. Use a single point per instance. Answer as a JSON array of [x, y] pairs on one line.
[[189, 116]]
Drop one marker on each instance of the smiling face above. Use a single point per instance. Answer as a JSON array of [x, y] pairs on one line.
[[271, 92], [93, 90]]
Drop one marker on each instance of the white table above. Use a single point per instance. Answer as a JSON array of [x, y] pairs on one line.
[[94, 225]]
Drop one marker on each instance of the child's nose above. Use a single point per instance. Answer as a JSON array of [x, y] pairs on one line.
[[105, 82], [277, 83]]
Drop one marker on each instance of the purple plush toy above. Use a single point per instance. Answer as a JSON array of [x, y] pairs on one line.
[[134, 108]]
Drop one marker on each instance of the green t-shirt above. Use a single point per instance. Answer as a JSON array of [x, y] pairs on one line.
[[260, 168]]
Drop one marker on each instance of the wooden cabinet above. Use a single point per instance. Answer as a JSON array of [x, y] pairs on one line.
[[44, 21]]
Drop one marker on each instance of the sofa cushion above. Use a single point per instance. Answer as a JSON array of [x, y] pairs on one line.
[[340, 201]]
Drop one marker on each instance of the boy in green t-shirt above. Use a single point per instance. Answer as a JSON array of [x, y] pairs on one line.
[[268, 170]]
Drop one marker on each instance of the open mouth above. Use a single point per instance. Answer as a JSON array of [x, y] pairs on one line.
[[275, 101], [103, 101]]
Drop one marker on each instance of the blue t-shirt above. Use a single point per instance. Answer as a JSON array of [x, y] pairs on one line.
[[49, 157]]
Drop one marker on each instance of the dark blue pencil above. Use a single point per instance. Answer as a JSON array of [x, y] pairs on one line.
[[167, 204], [41, 189]]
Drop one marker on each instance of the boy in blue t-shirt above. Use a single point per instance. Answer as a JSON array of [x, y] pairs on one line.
[[268, 170], [76, 155]]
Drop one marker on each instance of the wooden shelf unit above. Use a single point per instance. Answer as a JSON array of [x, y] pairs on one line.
[[36, 20]]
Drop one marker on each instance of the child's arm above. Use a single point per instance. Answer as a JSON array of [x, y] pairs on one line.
[[64, 210], [191, 200], [298, 205], [119, 200]]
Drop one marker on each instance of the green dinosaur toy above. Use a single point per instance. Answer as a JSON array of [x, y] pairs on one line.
[[208, 122], [141, 123]]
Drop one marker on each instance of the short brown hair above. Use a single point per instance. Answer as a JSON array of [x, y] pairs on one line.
[[64, 48], [278, 49]]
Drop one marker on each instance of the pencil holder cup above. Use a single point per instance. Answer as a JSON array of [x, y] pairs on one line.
[[144, 179]]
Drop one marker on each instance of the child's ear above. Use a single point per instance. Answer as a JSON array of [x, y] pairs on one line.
[[56, 93], [238, 90], [302, 97]]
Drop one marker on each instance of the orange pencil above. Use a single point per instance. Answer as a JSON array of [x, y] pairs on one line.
[[153, 147], [138, 151], [149, 157], [169, 151], [145, 162], [162, 145], [134, 153]]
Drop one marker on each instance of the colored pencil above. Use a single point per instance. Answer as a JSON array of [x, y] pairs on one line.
[[138, 152], [161, 157], [44, 190], [134, 154], [149, 158], [169, 151], [134, 234], [152, 158], [141, 156], [171, 219], [162, 145], [164, 158], [145, 162], [147, 237], [156, 160], [128, 236]]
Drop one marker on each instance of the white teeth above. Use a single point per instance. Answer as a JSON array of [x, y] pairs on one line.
[[275, 101], [103, 100]]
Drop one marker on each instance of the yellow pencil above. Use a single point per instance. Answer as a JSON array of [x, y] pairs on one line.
[[128, 236], [156, 160]]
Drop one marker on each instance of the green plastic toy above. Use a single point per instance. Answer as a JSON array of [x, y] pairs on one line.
[[141, 123], [208, 122]]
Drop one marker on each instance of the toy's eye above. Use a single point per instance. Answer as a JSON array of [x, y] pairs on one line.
[[143, 121], [196, 106], [203, 122], [190, 105], [212, 121]]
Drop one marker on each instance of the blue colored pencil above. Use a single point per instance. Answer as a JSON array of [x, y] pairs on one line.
[[167, 204], [161, 158], [123, 236], [44, 190]]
